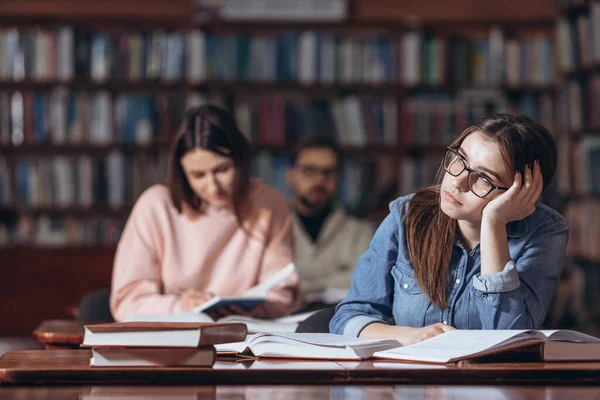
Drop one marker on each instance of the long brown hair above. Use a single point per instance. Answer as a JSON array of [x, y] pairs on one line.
[[430, 233], [211, 128]]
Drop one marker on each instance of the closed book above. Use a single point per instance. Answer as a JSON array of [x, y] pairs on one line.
[[162, 334], [145, 357]]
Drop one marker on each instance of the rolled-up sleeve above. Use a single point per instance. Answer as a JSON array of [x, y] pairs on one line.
[[371, 292], [519, 296], [504, 281]]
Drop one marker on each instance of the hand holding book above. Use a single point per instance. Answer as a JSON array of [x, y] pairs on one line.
[[191, 298], [249, 300]]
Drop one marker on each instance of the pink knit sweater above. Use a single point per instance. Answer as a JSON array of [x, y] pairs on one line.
[[162, 253]]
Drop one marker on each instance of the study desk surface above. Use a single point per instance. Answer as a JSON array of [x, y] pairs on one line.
[[72, 367]]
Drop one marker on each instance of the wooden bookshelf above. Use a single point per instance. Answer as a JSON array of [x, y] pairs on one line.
[[581, 205], [78, 149], [280, 88], [55, 278], [581, 72], [275, 87], [95, 211]]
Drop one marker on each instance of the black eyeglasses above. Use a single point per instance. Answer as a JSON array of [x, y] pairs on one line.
[[311, 171], [479, 184]]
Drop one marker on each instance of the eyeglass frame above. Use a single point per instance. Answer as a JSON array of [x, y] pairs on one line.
[[326, 173], [469, 170]]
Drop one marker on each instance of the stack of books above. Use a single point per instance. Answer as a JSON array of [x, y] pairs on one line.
[[159, 344]]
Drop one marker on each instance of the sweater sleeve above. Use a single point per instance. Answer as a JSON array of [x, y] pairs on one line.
[[136, 279]]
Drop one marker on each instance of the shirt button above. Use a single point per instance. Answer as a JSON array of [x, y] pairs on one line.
[[483, 296], [490, 298], [405, 286], [457, 281], [445, 322]]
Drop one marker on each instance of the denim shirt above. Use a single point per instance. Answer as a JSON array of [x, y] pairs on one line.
[[384, 284]]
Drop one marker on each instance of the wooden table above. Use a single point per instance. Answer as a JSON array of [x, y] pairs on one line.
[[59, 334], [291, 392], [69, 367]]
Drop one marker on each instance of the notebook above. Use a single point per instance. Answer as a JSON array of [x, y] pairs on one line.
[[249, 299], [326, 346], [145, 357], [457, 345], [162, 334]]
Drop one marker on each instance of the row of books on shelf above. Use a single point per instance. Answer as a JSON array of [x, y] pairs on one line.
[[579, 104], [437, 119], [584, 229], [416, 57], [83, 181], [355, 121], [579, 166], [47, 231], [63, 117], [578, 39], [97, 118], [117, 180], [63, 187]]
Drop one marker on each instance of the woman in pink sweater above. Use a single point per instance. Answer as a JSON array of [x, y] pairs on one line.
[[210, 231]]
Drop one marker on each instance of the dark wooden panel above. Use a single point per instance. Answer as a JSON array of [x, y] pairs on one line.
[[461, 10], [45, 283], [92, 9]]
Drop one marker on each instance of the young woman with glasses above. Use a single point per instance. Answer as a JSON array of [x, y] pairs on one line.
[[475, 251], [211, 230]]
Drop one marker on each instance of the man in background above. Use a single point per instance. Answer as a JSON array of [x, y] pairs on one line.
[[328, 242]]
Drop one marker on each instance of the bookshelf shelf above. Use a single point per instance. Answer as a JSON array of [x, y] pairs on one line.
[[374, 24], [361, 93], [92, 149], [76, 149], [578, 135], [112, 85], [581, 72], [585, 261], [572, 10], [73, 211], [283, 87], [264, 87], [59, 250], [576, 28]]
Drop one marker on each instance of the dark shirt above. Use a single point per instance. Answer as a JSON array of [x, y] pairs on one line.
[[313, 224]]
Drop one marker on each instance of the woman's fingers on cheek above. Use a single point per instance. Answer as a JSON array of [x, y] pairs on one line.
[[528, 177]]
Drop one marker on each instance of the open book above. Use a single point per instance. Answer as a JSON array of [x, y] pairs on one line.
[[453, 346], [325, 346], [249, 299]]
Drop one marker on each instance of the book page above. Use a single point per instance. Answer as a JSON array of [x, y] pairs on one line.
[[318, 339], [458, 344], [236, 347], [262, 288], [569, 336], [250, 298]]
